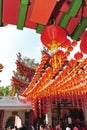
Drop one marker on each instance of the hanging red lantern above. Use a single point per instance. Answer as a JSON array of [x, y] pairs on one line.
[[70, 48], [83, 45], [66, 44], [72, 63], [60, 54], [78, 56], [52, 36], [67, 53], [74, 43]]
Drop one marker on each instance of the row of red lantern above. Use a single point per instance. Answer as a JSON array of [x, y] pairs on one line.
[[43, 105], [54, 40], [62, 81], [38, 88], [43, 81], [36, 76], [54, 37], [47, 76], [69, 77], [72, 79]]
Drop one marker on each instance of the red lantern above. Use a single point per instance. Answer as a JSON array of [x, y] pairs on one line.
[[78, 56], [70, 48], [66, 44], [83, 45], [60, 54], [74, 43], [52, 36], [72, 63]]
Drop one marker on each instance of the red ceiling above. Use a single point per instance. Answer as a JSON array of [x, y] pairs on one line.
[[37, 14]]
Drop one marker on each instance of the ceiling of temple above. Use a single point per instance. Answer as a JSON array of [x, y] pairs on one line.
[[36, 14]]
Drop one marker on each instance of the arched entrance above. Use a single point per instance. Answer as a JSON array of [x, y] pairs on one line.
[[13, 121]]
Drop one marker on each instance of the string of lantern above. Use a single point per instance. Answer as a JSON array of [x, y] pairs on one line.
[[63, 77], [36, 76]]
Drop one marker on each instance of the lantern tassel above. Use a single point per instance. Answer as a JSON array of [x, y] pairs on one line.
[[54, 61]]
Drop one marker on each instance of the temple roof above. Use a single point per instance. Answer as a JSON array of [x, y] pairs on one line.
[[12, 103]]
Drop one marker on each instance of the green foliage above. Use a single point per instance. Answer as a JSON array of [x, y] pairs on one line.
[[5, 91]]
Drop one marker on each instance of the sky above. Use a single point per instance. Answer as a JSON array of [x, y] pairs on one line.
[[12, 41]]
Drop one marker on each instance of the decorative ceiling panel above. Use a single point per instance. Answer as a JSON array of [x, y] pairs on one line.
[[10, 11], [36, 14], [42, 10]]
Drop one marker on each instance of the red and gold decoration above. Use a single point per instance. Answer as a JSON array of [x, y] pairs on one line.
[[52, 37], [66, 80], [78, 56], [58, 75]]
